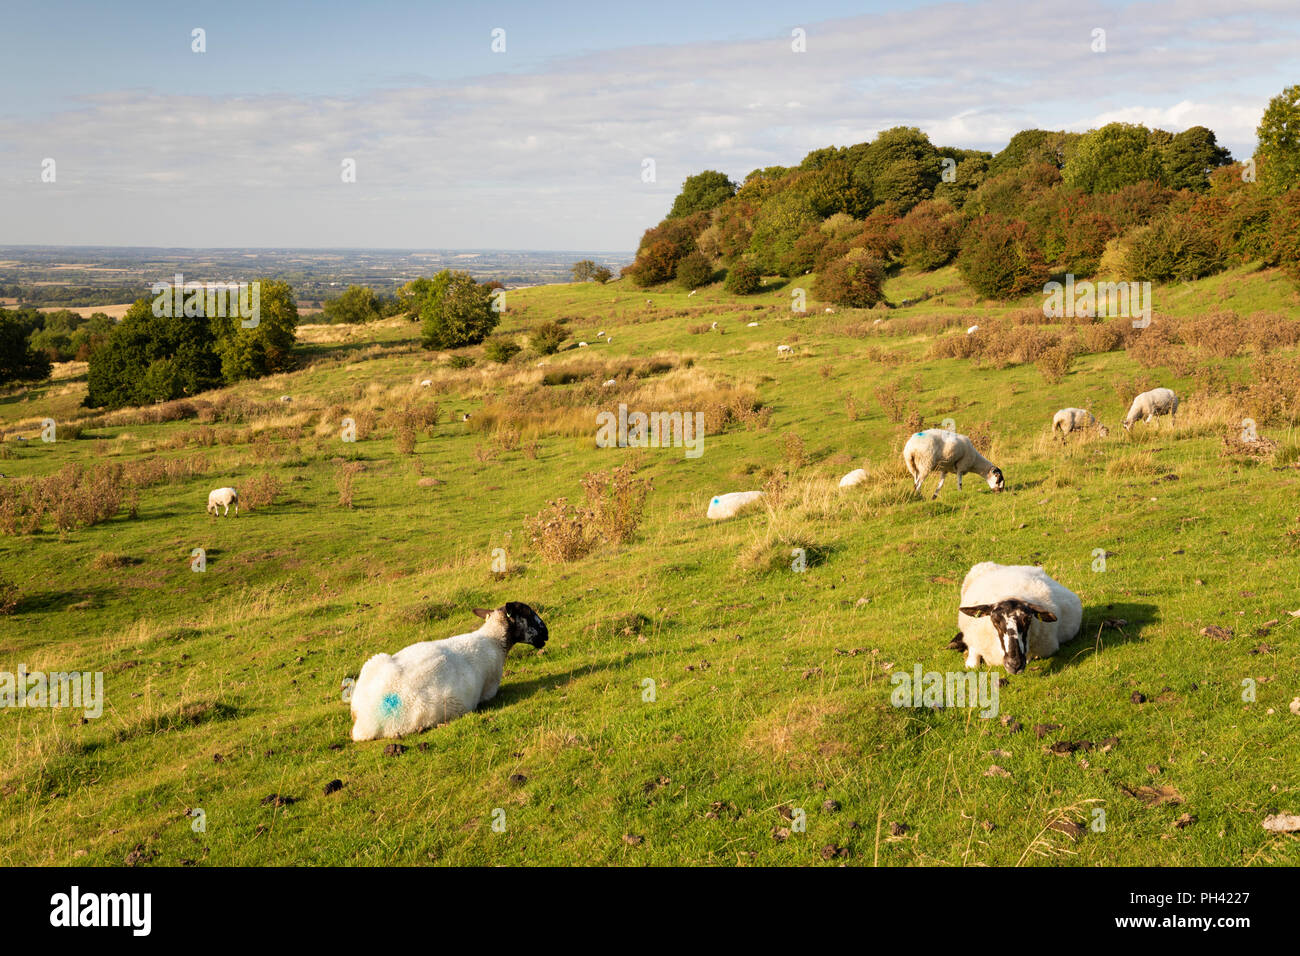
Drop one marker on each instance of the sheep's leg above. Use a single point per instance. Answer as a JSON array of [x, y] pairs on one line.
[[942, 478]]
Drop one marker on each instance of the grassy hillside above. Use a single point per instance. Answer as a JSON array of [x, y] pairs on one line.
[[771, 687]]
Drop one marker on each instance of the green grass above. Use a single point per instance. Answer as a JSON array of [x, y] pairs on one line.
[[771, 688]]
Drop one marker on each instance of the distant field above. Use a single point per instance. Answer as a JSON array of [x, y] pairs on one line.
[[770, 737]]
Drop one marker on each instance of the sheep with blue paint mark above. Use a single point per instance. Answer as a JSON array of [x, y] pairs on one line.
[[432, 682], [948, 453]]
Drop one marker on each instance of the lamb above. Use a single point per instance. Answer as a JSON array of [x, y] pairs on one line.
[[729, 505], [1151, 405], [1010, 613], [432, 682], [856, 477], [1076, 420], [948, 453], [223, 496]]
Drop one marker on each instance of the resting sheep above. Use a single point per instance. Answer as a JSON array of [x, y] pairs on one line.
[[856, 477], [1151, 405], [1076, 420], [223, 496], [728, 505], [432, 682], [948, 453], [1010, 613]]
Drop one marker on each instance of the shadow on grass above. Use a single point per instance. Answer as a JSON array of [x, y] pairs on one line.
[[39, 602], [516, 691], [1097, 634]]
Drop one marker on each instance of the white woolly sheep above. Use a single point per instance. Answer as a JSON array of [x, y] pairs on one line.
[[730, 504], [856, 477], [1076, 420], [751, 325], [691, 293], [432, 682], [948, 453], [582, 345], [286, 399], [1010, 613], [223, 496], [784, 351], [609, 383], [426, 383], [600, 334], [1151, 405], [972, 330]]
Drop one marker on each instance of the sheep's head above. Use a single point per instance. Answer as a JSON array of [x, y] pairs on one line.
[[1011, 619], [996, 481], [521, 622]]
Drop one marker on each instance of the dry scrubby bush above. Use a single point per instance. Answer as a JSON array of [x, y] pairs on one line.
[[260, 491], [77, 496], [347, 470], [8, 597], [614, 505]]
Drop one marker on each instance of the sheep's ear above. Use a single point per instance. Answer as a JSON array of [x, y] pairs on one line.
[[483, 612], [976, 610], [1042, 613]]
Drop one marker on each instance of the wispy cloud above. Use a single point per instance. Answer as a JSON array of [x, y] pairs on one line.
[[552, 157]]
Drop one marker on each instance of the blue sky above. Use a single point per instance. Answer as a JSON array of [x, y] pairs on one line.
[[543, 146]]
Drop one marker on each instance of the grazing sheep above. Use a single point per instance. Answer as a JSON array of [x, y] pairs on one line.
[[1151, 405], [856, 477], [784, 351], [223, 496], [426, 383], [582, 345], [729, 505], [432, 682], [972, 330], [600, 333], [465, 417], [609, 383], [286, 399], [830, 310], [1076, 420], [948, 453], [691, 293], [1010, 613], [751, 325]]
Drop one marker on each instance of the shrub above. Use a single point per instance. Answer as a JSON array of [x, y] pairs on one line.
[[999, 260], [547, 338], [742, 279], [561, 532], [404, 438], [457, 313], [853, 280], [260, 491], [1178, 245], [343, 479], [929, 236], [500, 350], [616, 501], [1053, 363], [1285, 233], [460, 361], [8, 596], [694, 271]]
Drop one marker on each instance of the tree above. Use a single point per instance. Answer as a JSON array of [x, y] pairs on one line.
[[150, 358], [583, 271], [1278, 152], [19, 362], [500, 349], [900, 165], [602, 274], [263, 349], [1117, 155], [929, 235], [461, 314], [1179, 245], [1285, 230], [357, 305], [1190, 157], [701, 193]]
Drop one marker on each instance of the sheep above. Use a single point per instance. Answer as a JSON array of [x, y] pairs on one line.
[[751, 325], [972, 330], [426, 383], [729, 505], [856, 477], [432, 682], [1009, 613], [286, 399], [600, 334], [830, 311], [783, 351], [582, 345], [1076, 420], [609, 383], [949, 454], [1151, 405], [464, 417], [691, 293], [223, 496]]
